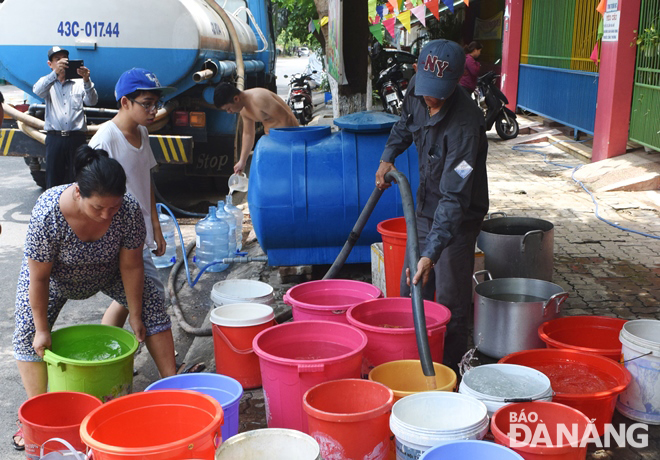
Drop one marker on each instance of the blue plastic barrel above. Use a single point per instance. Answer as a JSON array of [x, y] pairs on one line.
[[225, 390], [470, 450], [308, 186]]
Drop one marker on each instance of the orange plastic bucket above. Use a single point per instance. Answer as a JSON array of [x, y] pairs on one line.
[[155, 425], [586, 382], [549, 418], [54, 415], [234, 328], [598, 335], [350, 418], [393, 232]]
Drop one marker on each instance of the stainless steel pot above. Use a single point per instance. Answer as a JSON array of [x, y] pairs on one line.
[[509, 311], [517, 247]]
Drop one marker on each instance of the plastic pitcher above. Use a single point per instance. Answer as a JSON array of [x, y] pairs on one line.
[[169, 233], [238, 183]]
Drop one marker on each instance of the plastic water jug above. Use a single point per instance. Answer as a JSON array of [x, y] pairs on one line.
[[230, 220], [238, 215], [212, 241], [238, 183], [169, 233]]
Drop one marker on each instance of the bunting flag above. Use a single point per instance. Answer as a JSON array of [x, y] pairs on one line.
[[602, 6], [376, 19], [389, 26], [404, 18], [324, 20], [432, 5], [450, 4], [594, 54], [400, 5], [380, 12], [317, 25], [394, 4], [377, 31], [310, 26], [409, 5], [467, 2], [601, 30], [420, 13], [371, 4]]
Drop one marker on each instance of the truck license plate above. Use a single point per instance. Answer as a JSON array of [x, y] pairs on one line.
[[390, 97], [298, 105]]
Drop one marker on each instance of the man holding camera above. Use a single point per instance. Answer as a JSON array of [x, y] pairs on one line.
[[65, 94]]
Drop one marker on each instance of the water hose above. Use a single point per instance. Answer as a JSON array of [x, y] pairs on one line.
[[412, 254]]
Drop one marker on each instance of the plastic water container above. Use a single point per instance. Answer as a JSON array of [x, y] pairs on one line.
[[238, 215], [237, 183], [270, 443], [169, 233], [212, 242], [230, 220]]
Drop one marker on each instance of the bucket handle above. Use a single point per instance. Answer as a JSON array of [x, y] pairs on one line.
[[52, 358], [557, 300], [527, 235], [482, 272], [315, 367], [496, 213], [77, 455], [287, 300], [224, 338]]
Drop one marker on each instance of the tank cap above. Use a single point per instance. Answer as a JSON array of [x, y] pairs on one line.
[[369, 121]]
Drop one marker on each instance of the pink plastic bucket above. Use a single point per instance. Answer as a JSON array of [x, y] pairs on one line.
[[328, 300], [296, 356], [388, 324]]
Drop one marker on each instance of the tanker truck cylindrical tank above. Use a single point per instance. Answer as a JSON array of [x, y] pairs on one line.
[[308, 186], [172, 38]]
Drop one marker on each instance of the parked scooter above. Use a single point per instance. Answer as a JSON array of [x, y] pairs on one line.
[[493, 103], [300, 97], [392, 86]]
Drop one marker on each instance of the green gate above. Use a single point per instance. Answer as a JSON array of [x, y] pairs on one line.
[[645, 117]]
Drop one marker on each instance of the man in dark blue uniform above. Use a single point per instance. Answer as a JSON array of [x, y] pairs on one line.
[[452, 199]]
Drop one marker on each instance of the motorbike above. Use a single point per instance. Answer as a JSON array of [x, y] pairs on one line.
[[493, 103], [392, 86], [300, 96]]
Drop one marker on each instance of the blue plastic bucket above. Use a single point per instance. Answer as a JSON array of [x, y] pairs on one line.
[[225, 390], [468, 450]]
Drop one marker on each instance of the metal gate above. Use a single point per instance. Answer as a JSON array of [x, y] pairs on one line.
[[645, 113], [557, 79]]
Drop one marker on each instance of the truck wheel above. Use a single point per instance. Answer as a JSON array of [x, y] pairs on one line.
[[36, 170]]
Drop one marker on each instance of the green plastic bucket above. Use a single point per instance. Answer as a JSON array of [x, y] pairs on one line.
[[93, 359]]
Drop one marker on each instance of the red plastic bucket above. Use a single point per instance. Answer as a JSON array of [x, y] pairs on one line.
[[550, 415], [598, 335], [388, 324], [586, 382], [328, 300], [234, 328], [54, 415], [296, 356], [155, 425], [350, 418], [393, 232]]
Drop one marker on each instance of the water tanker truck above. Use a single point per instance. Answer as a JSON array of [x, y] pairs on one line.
[[189, 44]]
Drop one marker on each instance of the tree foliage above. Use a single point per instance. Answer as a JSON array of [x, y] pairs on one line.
[[291, 18]]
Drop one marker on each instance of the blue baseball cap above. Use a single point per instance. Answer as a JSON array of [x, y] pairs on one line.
[[440, 65], [138, 79]]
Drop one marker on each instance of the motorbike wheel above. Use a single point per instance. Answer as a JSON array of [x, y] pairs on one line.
[[505, 129], [394, 108], [308, 113]]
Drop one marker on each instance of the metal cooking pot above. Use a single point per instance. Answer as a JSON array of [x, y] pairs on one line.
[[509, 311], [517, 247]]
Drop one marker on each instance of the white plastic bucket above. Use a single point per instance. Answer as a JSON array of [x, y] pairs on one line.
[[241, 291], [270, 443], [640, 340], [480, 382], [424, 420]]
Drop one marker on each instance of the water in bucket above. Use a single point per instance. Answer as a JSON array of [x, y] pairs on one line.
[[169, 234], [92, 348]]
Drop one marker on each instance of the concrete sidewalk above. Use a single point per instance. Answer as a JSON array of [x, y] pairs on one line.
[[605, 270]]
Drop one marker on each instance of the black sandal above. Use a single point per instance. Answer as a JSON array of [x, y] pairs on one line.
[[19, 435]]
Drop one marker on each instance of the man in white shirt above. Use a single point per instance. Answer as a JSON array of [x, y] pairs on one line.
[[65, 122]]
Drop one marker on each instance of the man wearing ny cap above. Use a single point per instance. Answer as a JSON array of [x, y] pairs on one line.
[[65, 122], [452, 199]]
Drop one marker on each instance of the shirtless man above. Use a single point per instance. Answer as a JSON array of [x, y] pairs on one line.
[[255, 104]]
